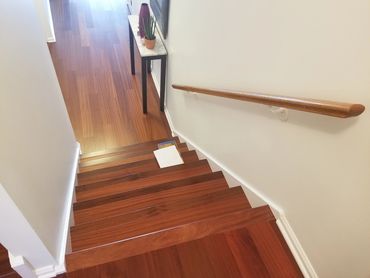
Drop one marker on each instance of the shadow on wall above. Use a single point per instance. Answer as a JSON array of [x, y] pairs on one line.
[[326, 124]]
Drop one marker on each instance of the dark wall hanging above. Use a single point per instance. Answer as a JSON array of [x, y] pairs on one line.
[[161, 9]]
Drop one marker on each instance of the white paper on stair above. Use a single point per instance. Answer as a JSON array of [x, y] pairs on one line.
[[168, 156]]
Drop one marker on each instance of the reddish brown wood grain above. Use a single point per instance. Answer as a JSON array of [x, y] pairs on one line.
[[114, 172], [324, 107], [141, 180], [135, 198], [182, 221], [206, 257], [92, 62], [151, 146], [120, 159], [273, 251], [166, 238], [156, 216]]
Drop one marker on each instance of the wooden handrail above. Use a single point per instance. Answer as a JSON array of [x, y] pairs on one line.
[[324, 107]]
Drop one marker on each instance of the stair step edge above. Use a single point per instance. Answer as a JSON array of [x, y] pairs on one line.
[[79, 205], [120, 156], [123, 148], [167, 237], [140, 175], [188, 157], [153, 218]]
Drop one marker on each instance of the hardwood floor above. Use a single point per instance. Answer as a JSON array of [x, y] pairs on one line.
[[133, 219], [91, 58]]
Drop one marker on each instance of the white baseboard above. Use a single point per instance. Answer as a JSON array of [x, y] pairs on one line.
[[256, 198], [295, 247]]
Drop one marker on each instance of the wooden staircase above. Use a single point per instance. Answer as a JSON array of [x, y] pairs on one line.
[[6, 270], [128, 209]]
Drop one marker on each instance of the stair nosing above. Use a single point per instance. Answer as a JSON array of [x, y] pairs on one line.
[[142, 191], [123, 166], [247, 218], [127, 155], [121, 149], [140, 175], [202, 200]]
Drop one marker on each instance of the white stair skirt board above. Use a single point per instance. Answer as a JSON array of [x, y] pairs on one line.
[[255, 197]]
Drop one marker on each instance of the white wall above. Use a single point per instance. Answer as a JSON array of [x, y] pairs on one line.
[[37, 144], [315, 168]]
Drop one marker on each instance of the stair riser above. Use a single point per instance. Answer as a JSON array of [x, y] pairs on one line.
[[79, 205], [132, 148], [128, 205], [90, 192], [166, 238], [127, 169], [152, 219], [120, 159]]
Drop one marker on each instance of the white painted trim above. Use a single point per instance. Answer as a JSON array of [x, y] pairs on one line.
[[51, 39], [282, 222], [68, 220], [51, 36], [296, 247], [21, 266]]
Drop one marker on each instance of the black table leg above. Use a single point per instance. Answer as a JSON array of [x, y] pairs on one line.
[[148, 67], [163, 81], [143, 83], [132, 56]]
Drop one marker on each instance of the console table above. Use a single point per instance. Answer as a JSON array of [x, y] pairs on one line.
[[147, 55]]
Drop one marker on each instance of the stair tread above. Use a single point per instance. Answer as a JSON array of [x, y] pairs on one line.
[[155, 189], [113, 172], [218, 259], [169, 237], [90, 211], [141, 180], [150, 219], [139, 146], [122, 158], [273, 250]]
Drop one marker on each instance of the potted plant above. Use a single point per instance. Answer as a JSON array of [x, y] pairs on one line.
[[149, 31]]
